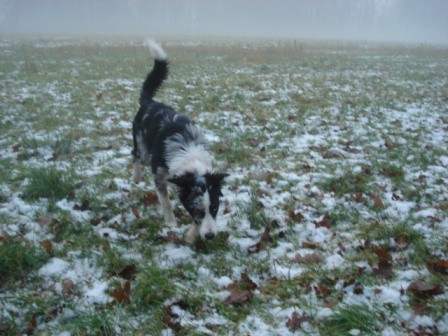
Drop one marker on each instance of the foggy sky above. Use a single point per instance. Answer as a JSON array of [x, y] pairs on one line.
[[417, 21]]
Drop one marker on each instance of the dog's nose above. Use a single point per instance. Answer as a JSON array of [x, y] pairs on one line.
[[209, 235]]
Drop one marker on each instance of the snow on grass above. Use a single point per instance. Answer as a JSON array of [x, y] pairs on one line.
[[335, 204]]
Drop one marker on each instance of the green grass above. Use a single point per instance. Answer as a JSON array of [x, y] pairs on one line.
[[48, 183], [18, 258], [325, 130], [369, 321]]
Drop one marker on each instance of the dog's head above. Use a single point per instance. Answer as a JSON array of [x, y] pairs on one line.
[[200, 194]]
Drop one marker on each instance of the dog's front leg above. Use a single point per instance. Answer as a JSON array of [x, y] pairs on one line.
[[162, 193], [137, 176], [192, 234]]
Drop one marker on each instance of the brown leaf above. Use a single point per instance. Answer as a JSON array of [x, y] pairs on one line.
[[323, 290], [95, 221], [358, 289], [30, 327], [127, 272], [16, 148], [237, 297], [121, 295], [295, 321], [311, 258], [310, 245], [378, 203], [67, 286], [323, 223], [296, 216], [424, 290], [135, 212], [245, 283], [401, 242], [384, 269], [265, 237], [83, 207], [440, 266], [382, 254], [150, 198], [47, 245]]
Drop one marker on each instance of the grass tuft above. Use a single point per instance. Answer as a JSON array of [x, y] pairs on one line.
[[47, 183]]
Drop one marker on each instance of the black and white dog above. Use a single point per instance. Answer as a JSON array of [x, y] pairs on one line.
[[178, 153]]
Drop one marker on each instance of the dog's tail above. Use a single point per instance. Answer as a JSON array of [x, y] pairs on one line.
[[157, 75]]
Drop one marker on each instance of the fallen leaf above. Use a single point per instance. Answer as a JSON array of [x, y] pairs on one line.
[[16, 148], [237, 297], [401, 242], [150, 198], [121, 295], [384, 269], [358, 289], [310, 245], [245, 283], [424, 289], [127, 272], [83, 207], [67, 286], [95, 221], [135, 212], [323, 290], [296, 216], [378, 203], [382, 254], [30, 327], [294, 322], [440, 266], [311, 258], [47, 245], [265, 237], [323, 223]]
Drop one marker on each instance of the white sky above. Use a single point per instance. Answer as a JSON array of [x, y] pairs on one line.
[[419, 21]]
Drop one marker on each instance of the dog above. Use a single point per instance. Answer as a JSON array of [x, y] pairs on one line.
[[178, 153]]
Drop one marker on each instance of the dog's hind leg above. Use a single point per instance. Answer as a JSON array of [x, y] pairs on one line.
[[162, 193]]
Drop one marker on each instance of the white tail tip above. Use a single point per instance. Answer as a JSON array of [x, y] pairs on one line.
[[156, 50]]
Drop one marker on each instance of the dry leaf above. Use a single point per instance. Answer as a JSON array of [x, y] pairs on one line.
[[440, 266], [237, 297], [47, 246], [121, 295], [384, 269], [83, 207], [135, 212], [150, 198], [295, 321], [424, 289], [312, 258], [67, 286], [382, 254], [127, 272]]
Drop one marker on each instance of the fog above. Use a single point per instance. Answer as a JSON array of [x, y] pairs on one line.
[[410, 21]]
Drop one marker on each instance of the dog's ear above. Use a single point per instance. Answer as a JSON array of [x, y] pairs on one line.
[[182, 181], [216, 178]]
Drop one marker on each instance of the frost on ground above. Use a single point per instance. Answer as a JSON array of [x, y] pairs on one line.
[[333, 222]]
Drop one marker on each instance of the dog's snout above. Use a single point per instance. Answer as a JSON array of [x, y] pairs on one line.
[[209, 235]]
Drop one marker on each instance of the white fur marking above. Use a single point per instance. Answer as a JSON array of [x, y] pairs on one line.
[[208, 223], [157, 51]]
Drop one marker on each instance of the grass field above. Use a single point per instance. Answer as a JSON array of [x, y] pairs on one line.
[[334, 217]]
